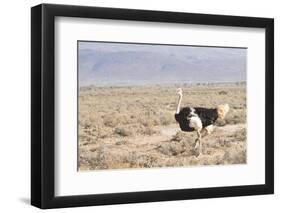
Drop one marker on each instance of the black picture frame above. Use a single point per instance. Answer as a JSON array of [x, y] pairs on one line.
[[43, 102]]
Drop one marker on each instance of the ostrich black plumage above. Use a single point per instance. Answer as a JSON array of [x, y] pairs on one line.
[[198, 118]]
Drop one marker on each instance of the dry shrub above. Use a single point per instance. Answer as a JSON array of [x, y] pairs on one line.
[[235, 157], [241, 135], [166, 118], [145, 121], [236, 117], [145, 161], [110, 120], [122, 142], [171, 148], [87, 124], [180, 143], [122, 131], [103, 132], [179, 136], [223, 92], [94, 160], [101, 158], [148, 131], [135, 160], [85, 139], [123, 119]]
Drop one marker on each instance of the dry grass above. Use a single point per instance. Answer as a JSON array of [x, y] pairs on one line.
[[134, 127]]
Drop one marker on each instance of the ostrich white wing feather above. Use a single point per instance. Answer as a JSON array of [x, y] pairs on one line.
[[195, 123]]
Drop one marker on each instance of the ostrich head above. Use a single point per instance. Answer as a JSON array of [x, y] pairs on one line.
[[179, 91]]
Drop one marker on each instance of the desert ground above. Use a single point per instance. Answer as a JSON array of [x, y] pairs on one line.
[[134, 126]]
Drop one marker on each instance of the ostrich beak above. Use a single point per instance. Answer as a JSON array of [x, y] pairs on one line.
[[179, 91]]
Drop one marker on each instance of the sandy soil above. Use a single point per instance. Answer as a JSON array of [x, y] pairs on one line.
[[134, 127], [220, 147]]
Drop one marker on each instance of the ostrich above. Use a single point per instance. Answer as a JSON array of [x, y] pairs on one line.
[[198, 118]]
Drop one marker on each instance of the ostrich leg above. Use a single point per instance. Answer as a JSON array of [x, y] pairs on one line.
[[198, 141]]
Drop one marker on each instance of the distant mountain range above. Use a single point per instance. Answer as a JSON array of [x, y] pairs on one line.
[[151, 64]]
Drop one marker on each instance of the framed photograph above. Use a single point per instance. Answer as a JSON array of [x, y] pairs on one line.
[[139, 106]]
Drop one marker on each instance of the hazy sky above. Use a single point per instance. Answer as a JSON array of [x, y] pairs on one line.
[[120, 47], [101, 62]]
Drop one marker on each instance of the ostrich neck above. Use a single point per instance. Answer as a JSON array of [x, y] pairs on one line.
[[179, 104]]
